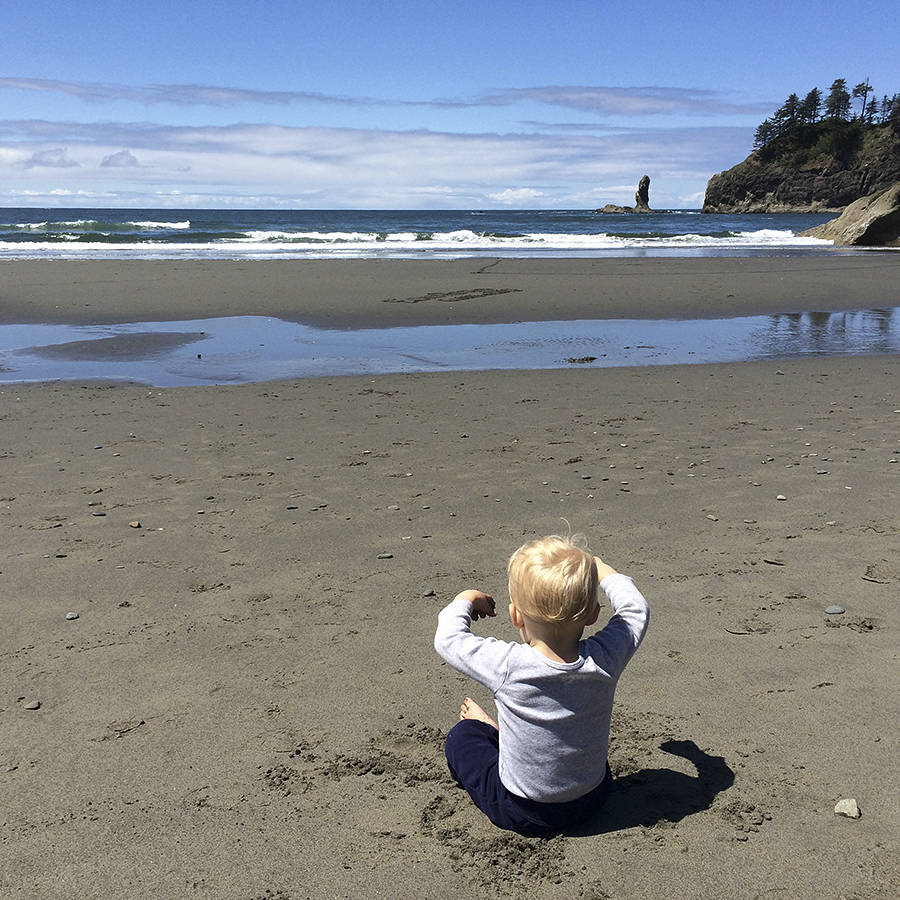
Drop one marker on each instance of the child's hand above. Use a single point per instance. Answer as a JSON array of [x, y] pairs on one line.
[[482, 604], [603, 569]]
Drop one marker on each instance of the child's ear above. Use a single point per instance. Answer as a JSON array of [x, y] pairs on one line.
[[592, 617], [515, 616]]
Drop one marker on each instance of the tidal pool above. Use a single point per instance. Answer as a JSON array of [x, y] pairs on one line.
[[247, 349]]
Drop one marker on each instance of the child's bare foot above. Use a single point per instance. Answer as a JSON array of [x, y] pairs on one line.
[[471, 710]]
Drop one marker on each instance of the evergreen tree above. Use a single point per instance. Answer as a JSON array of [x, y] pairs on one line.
[[894, 117], [811, 107], [871, 112], [791, 108], [861, 92], [763, 137], [837, 103]]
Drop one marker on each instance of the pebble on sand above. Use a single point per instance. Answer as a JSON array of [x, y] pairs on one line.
[[385, 556], [781, 497], [71, 616], [33, 704], [834, 610], [134, 524], [847, 807]]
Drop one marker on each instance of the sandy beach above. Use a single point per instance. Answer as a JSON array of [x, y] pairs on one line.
[[218, 603], [385, 293]]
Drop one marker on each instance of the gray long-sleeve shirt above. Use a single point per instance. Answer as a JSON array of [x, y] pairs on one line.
[[554, 716]]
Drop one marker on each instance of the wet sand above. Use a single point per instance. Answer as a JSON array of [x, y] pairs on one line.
[[248, 703], [386, 293]]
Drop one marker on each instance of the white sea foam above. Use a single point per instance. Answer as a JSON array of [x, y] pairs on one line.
[[170, 225], [44, 226], [373, 244]]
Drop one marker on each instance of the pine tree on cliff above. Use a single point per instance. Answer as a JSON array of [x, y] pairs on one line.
[[861, 92], [837, 103], [894, 118], [811, 107]]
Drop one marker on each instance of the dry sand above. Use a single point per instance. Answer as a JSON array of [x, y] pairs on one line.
[[248, 704]]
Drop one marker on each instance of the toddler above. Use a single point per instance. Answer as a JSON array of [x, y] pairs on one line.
[[541, 768]]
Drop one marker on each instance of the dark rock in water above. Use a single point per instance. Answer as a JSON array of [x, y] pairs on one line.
[[582, 359], [641, 201], [872, 221], [642, 195]]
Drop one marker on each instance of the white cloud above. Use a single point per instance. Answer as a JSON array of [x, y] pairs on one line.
[[630, 101], [362, 168], [121, 160], [516, 196], [638, 100], [53, 158]]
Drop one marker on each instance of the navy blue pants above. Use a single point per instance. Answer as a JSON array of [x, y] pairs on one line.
[[473, 755]]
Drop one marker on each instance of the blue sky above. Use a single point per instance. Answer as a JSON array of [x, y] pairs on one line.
[[400, 104]]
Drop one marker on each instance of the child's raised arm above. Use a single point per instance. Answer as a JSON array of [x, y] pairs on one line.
[[603, 569], [482, 604]]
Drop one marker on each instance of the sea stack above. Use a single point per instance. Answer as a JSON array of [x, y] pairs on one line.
[[642, 195], [641, 200]]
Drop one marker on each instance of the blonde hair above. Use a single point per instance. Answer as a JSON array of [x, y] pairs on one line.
[[553, 579]]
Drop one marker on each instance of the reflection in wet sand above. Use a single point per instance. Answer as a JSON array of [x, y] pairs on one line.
[[145, 345], [812, 333], [258, 348]]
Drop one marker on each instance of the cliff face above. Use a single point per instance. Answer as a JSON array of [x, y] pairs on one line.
[[819, 183], [872, 221]]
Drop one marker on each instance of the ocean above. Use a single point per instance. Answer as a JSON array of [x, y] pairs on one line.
[[223, 351], [366, 234]]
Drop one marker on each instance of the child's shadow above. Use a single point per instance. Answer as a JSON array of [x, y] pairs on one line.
[[654, 795]]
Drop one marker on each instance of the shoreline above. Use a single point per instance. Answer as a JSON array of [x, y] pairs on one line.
[[353, 294]]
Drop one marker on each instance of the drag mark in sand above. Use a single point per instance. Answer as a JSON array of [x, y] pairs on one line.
[[456, 296]]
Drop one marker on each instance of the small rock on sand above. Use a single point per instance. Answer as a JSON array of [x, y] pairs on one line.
[[385, 556], [834, 610], [848, 808], [33, 704], [71, 616]]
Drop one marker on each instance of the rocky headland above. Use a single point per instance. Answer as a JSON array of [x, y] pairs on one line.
[[836, 169]]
